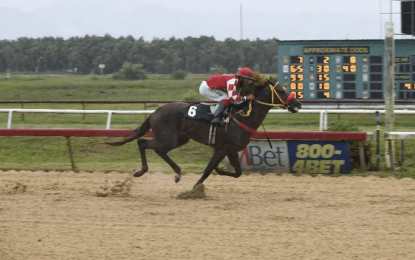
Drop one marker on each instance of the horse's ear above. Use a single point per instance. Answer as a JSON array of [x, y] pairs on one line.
[[270, 81]]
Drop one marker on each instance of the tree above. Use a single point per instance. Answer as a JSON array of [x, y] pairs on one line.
[[130, 71], [195, 55]]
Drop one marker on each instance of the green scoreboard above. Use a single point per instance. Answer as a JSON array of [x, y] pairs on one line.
[[345, 69]]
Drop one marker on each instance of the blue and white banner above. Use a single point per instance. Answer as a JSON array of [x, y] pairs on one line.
[[295, 156], [319, 156]]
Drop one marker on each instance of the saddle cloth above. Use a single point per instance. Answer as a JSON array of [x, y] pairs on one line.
[[199, 111]]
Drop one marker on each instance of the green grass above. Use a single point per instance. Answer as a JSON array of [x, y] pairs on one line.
[[90, 154], [50, 153], [157, 87]]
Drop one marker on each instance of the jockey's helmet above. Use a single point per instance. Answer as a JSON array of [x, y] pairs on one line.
[[245, 73]]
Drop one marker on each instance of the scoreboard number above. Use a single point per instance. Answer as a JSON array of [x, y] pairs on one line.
[[349, 68], [297, 76], [323, 68], [323, 77], [296, 68]]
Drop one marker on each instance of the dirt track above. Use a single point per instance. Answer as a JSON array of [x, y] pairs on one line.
[[60, 216]]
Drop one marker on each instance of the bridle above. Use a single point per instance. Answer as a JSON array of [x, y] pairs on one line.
[[282, 105]]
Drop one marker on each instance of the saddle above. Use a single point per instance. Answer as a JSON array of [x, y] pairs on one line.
[[204, 111], [201, 111]]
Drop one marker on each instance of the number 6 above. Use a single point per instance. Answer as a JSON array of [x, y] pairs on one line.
[[192, 111]]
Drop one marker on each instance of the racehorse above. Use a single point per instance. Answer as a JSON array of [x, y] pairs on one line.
[[172, 128]]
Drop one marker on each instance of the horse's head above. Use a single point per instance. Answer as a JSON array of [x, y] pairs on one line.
[[275, 95]]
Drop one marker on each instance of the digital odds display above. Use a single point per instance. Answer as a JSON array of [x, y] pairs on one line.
[[344, 69]]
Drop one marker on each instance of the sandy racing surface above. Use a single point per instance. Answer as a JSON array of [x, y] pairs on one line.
[[51, 215]]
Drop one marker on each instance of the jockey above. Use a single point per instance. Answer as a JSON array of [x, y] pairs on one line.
[[226, 90]]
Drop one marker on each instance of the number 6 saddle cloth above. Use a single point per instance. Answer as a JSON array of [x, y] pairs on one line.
[[200, 111]]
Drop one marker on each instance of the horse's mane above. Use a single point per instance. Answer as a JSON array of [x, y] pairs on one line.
[[260, 81]]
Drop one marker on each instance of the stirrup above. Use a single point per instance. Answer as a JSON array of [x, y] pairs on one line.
[[212, 135], [216, 122]]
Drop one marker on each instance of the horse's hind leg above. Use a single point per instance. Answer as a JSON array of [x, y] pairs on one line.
[[161, 148], [142, 146], [163, 154], [176, 168], [234, 160]]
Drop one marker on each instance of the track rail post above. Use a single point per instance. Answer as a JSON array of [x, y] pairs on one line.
[[402, 155], [83, 108], [21, 105], [68, 142], [362, 156]]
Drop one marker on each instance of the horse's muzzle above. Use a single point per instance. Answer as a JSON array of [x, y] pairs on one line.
[[293, 109], [293, 106]]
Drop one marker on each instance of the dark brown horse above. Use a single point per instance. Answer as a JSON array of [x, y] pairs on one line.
[[172, 129]]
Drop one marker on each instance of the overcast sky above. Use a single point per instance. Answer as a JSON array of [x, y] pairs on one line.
[[263, 19]]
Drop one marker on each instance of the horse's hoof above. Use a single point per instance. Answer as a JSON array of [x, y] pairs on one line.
[[177, 178], [197, 185], [137, 173]]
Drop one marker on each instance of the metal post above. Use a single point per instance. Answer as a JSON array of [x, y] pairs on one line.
[[21, 105], [362, 156], [9, 120], [109, 120], [68, 141], [377, 140], [389, 78], [242, 52], [402, 155], [83, 108], [389, 87], [392, 155]]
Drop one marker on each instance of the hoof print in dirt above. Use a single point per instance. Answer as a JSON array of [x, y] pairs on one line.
[[198, 192], [118, 189], [15, 187]]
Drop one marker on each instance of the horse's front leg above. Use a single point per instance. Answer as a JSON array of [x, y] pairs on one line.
[[213, 163], [234, 160]]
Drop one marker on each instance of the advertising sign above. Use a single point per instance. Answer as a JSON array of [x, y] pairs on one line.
[[295, 156], [319, 156], [258, 156]]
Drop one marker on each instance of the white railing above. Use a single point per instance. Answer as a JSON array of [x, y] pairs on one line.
[[74, 111], [390, 148], [400, 135], [362, 106], [323, 113]]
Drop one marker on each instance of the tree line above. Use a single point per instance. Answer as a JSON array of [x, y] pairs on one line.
[[162, 56]]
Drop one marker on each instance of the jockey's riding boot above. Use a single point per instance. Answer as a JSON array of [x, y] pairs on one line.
[[218, 115]]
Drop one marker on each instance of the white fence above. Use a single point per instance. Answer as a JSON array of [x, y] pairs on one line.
[[401, 136], [323, 113], [73, 111]]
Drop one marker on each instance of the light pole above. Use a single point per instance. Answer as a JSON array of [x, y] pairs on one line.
[[242, 50], [37, 64]]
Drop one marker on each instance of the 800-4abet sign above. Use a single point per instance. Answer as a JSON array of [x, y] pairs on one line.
[[319, 157], [296, 156]]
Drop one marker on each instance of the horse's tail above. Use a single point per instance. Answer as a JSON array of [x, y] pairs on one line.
[[138, 132]]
